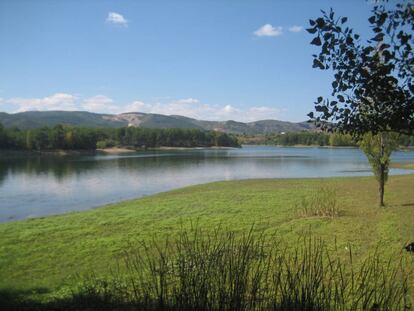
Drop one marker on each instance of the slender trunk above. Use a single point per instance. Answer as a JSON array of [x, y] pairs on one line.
[[381, 184], [381, 181]]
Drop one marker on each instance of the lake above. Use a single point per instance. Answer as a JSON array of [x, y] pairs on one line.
[[38, 186]]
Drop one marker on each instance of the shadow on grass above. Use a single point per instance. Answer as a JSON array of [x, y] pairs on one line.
[[13, 300]]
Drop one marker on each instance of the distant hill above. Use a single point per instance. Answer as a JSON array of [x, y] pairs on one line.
[[35, 119]]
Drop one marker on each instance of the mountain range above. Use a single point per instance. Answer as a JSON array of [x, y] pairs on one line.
[[35, 119]]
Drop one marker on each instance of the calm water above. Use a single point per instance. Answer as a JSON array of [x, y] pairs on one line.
[[38, 186]]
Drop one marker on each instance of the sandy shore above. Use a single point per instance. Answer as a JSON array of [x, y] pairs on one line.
[[115, 150], [25, 153]]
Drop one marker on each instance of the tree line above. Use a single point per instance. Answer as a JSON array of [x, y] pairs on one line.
[[314, 139], [75, 138]]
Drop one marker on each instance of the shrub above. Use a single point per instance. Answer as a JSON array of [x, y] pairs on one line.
[[107, 143], [321, 203]]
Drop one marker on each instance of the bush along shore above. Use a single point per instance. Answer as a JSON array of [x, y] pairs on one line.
[[62, 137]]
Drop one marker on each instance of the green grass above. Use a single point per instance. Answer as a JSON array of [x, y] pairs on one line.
[[406, 165], [46, 254]]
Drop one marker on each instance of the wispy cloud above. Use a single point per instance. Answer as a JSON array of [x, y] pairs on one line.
[[295, 28], [268, 30], [117, 19], [230, 109], [58, 101], [64, 101], [194, 108], [189, 100], [99, 103]]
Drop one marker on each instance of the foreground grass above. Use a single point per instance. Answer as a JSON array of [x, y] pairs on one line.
[[44, 255]]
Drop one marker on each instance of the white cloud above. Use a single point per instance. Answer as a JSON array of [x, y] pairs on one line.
[[136, 106], [295, 28], [63, 101], [187, 101], [193, 108], [99, 103], [268, 30], [116, 18], [58, 101], [264, 112], [189, 107], [229, 109]]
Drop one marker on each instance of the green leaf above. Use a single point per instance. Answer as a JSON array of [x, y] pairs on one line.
[[382, 19], [384, 46], [318, 64], [316, 41], [378, 37], [320, 22], [319, 108]]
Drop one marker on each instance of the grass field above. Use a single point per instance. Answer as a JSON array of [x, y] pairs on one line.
[[44, 255]]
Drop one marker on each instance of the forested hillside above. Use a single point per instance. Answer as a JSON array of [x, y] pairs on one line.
[[36, 119]]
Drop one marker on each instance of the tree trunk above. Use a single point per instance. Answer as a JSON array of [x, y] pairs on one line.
[[381, 181], [381, 185]]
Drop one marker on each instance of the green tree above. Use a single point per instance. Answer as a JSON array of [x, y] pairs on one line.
[[378, 149], [56, 137], [3, 137], [29, 140], [373, 82]]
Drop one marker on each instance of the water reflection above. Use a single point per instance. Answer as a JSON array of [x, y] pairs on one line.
[[37, 186]]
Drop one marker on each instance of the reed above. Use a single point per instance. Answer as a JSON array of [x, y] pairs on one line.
[[222, 270], [320, 203], [225, 271]]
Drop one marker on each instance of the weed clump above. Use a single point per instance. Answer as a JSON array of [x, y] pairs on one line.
[[320, 203]]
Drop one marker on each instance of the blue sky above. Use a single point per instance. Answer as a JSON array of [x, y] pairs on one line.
[[216, 59]]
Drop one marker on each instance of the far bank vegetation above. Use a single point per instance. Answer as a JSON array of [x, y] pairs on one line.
[[75, 138], [312, 139]]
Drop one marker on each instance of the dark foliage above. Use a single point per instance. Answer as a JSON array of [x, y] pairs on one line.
[[74, 138], [373, 82]]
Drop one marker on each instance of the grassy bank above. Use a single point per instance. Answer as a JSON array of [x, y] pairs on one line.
[[407, 165], [46, 254]]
